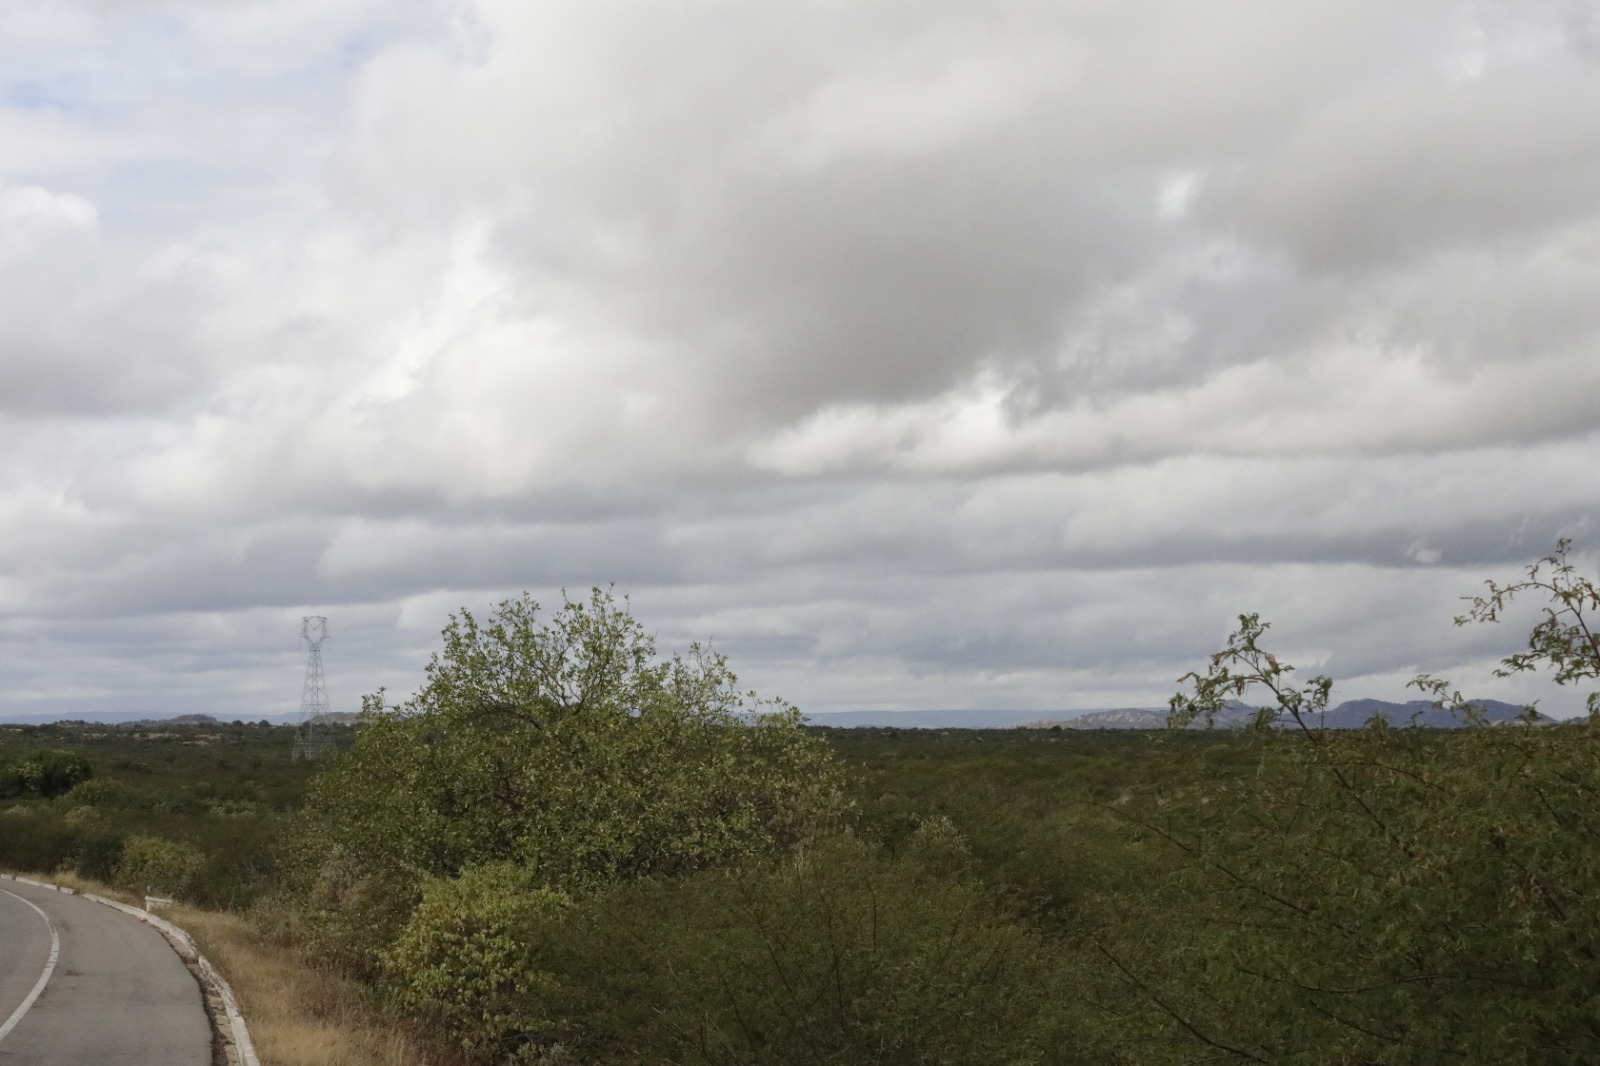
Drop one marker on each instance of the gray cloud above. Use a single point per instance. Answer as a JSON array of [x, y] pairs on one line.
[[920, 354]]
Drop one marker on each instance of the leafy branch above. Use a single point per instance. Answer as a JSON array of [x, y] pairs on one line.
[[1240, 665], [1566, 636]]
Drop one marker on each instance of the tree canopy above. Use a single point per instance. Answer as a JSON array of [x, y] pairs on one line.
[[567, 746]]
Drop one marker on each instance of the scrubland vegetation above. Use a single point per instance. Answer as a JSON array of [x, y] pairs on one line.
[[568, 849], [201, 811]]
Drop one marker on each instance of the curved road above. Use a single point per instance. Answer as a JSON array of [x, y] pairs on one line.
[[117, 993]]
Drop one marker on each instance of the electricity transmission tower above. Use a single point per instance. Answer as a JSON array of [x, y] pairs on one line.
[[311, 735]]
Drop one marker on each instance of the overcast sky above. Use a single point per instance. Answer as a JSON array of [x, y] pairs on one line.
[[918, 354]]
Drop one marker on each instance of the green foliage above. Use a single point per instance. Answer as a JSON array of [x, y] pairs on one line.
[[47, 773], [347, 912], [1242, 665], [1565, 639], [159, 866], [466, 964], [167, 781], [1385, 896], [1038, 809], [567, 748], [836, 954], [107, 793], [96, 854], [1388, 896]]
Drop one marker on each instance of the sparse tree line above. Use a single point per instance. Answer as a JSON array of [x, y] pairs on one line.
[[566, 848]]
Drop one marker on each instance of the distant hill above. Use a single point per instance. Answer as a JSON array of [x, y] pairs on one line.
[[334, 718], [1352, 714], [1116, 718], [177, 721], [1233, 715]]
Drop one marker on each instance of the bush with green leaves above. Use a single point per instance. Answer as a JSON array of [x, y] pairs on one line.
[[466, 964], [159, 866], [107, 794], [566, 747], [46, 773]]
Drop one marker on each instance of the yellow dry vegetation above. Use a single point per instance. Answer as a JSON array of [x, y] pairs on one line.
[[83, 884], [300, 1013]]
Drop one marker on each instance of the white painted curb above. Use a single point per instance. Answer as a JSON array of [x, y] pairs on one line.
[[183, 944]]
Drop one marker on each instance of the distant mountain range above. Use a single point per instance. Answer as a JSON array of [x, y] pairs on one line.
[[1352, 714]]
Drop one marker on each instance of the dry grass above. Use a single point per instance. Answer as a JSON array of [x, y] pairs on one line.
[[299, 1013], [83, 884]]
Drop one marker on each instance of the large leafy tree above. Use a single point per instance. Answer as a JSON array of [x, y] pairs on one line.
[[565, 745]]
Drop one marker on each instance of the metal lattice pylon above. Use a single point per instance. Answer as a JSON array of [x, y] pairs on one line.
[[311, 735]]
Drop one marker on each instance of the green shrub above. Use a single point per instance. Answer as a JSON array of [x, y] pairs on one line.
[[349, 914], [466, 963], [108, 794], [159, 866], [32, 840], [46, 772], [97, 855], [837, 955]]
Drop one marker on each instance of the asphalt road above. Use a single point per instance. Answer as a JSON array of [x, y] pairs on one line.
[[118, 993]]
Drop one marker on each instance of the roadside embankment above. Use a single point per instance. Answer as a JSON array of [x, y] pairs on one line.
[[299, 1013]]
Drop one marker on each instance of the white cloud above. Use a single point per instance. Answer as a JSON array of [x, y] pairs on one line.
[[1172, 201], [943, 93], [29, 209], [920, 353]]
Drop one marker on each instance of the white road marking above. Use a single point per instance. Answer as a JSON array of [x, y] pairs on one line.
[[44, 978]]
